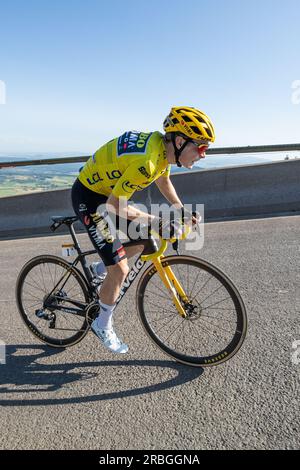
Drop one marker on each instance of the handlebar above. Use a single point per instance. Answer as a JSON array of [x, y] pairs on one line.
[[164, 244]]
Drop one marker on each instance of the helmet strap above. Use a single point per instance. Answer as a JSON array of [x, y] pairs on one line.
[[177, 151]]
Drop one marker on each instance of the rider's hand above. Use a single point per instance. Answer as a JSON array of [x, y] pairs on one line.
[[172, 229], [190, 218], [168, 229], [196, 218]]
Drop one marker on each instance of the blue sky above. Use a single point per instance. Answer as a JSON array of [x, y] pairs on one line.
[[79, 72]]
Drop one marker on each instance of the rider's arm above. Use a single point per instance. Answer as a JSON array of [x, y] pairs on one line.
[[167, 189], [133, 179]]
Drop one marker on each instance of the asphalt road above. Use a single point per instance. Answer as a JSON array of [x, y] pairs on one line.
[[86, 398]]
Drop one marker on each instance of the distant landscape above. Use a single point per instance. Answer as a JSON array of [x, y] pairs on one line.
[[27, 179]]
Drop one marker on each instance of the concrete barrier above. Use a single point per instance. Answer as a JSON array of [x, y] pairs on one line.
[[250, 190], [30, 213], [240, 191]]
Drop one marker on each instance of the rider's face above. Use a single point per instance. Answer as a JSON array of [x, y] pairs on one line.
[[192, 153]]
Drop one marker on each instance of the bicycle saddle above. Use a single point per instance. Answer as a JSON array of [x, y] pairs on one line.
[[60, 220], [64, 220]]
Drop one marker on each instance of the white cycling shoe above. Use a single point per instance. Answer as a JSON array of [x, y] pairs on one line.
[[109, 339]]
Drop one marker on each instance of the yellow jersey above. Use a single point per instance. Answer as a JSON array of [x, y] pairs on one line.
[[126, 164]]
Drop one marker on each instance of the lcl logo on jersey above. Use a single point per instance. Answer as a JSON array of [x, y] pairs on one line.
[[111, 175], [128, 187]]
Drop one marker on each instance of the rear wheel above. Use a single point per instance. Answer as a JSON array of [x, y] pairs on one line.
[[52, 298], [215, 324]]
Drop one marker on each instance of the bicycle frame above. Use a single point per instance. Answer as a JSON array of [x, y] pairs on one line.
[[156, 256]]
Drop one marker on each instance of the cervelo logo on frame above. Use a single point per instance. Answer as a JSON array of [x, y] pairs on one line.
[[295, 98], [2, 92]]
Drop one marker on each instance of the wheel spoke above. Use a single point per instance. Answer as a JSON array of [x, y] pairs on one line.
[[47, 280], [213, 292], [207, 330], [158, 295]]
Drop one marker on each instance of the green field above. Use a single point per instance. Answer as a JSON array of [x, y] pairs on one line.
[[21, 184]]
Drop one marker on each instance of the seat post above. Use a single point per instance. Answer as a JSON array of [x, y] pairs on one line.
[[74, 238], [82, 258]]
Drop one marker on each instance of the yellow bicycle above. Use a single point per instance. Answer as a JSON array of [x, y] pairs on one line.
[[189, 308]]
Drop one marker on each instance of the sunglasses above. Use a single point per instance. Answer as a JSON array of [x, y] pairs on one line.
[[201, 144], [202, 147]]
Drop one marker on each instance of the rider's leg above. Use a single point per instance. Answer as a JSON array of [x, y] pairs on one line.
[[99, 269], [110, 288], [116, 275], [112, 252]]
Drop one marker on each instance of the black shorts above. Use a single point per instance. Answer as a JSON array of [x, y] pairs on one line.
[[98, 224]]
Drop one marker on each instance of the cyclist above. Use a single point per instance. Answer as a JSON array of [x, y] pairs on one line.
[[122, 166]]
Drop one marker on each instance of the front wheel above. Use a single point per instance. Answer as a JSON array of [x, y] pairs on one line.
[[215, 324], [52, 298]]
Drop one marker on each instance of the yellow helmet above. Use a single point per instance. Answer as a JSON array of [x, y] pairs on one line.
[[190, 122]]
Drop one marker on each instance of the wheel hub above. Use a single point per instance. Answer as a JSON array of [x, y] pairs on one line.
[[193, 312], [52, 301]]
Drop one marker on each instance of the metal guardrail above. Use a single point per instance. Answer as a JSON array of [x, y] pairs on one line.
[[44, 161], [255, 149], [213, 151]]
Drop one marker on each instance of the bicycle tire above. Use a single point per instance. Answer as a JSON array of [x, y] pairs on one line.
[[28, 317], [202, 360]]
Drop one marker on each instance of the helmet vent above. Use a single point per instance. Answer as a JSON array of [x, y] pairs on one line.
[[200, 119], [196, 130], [187, 119]]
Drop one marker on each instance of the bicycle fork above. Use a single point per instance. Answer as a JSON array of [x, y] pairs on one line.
[[170, 281]]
